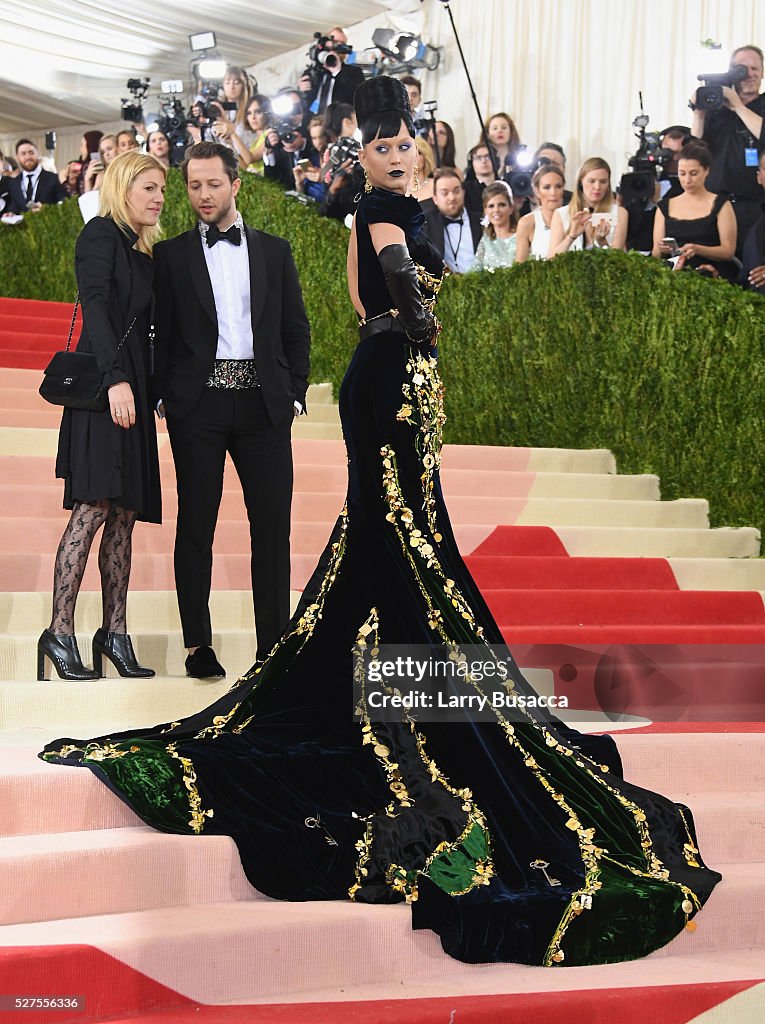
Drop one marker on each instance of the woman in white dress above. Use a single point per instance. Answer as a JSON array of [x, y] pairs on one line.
[[592, 220], [534, 229]]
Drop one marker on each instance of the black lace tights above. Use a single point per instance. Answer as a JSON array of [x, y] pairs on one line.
[[114, 557]]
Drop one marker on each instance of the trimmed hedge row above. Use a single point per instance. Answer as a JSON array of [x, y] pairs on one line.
[[590, 350]]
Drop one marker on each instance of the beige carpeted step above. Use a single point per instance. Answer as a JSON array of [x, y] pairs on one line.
[[616, 541], [719, 573], [273, 947], [317, 506], [111, 871]]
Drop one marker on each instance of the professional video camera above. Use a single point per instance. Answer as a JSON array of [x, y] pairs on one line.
[[132, 109], [710, 95], [346, 148], [323, 56], [172, 120], [637, 186], [422, 125]]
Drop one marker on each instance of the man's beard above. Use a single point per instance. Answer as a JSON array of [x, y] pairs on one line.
[[217, 217]]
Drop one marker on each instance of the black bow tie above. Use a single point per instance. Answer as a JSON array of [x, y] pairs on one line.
[[233, 235], [448, 220]]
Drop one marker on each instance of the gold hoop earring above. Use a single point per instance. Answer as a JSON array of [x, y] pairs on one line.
[[367, 182], [416, 180]]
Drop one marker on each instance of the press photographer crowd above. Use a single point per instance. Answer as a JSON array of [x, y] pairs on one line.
[[693, 195]]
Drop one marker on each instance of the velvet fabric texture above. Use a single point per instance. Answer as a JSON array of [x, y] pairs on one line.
[[454, 818]]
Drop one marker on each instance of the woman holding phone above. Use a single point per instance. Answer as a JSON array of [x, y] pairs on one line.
[[697, 225], [592, 220]]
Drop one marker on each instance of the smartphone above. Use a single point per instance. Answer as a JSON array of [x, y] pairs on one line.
[[94, 156], [599, 218], [303, 164], [671, 242]]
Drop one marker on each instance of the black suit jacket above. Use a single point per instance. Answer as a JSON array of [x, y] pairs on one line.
[[49, 190], [187, 323], [347, 80], [435, 224]]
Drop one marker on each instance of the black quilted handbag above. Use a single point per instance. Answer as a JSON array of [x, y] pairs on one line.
[[73, 379]]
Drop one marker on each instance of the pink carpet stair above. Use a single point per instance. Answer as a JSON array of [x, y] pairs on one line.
[[150, 926]]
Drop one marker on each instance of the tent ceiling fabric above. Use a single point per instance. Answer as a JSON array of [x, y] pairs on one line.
[[67, 61]]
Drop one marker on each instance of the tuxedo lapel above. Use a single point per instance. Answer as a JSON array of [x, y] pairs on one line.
[[257, 276], [200, 278]]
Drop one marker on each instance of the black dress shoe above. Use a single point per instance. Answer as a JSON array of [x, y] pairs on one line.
[[203, 664], [118, 648], [62, 652]]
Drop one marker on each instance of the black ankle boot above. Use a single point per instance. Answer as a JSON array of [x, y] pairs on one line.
[[118, 648], [64, 655]]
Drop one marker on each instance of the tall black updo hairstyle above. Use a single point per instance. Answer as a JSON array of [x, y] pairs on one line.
[[381, 104]]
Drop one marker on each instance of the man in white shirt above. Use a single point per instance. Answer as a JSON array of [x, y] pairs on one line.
[[451, 228], [232, 372], [34, 185]]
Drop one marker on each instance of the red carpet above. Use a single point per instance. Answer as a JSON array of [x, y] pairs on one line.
[[112, 991], [32, 330]]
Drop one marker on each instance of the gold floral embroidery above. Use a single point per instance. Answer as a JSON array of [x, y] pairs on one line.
[[198, 816]]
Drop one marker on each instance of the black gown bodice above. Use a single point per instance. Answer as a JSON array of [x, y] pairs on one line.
[[382, 207]]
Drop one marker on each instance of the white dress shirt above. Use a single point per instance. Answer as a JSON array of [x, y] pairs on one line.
[[35, 175], [459, 253], [229, 269]]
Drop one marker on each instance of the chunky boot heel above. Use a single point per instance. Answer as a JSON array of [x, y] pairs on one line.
[[64, 655], [41, 665], [118, 648]]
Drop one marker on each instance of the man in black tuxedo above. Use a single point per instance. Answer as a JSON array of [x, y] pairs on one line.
[[339, 80], [34, 184], [232, 372], [452, 229]]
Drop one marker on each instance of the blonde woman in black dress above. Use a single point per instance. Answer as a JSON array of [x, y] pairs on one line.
[[108, 460]]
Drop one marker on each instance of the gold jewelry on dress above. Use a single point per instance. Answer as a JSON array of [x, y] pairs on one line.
[[415, 180], [367, 182]]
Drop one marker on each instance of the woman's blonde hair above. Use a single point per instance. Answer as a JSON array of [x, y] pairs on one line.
[[424, 147], [241, 75], [118, 177], [106, 138], [577, 204]]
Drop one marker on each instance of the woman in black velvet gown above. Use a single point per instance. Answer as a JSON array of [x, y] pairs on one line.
[[455, 818]]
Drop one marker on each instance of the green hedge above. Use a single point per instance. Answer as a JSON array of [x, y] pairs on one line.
[[590, 350]]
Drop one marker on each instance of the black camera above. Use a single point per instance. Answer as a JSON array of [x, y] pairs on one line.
[[286, 131], [637, 186], [132, 109], [710, 95], [323, 54], [346, 148], [519, 182]]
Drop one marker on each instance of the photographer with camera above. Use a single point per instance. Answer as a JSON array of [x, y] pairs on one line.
[[344, 180], [287, 140], [697, 226], [333, 79], [730, 119]]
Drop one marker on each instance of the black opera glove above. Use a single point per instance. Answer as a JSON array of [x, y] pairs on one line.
[[401, 279]]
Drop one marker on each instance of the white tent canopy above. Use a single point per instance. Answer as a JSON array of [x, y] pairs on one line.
[[66, 62]]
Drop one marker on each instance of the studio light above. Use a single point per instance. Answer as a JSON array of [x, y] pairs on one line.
[[406, 51], [202, 41], [212, 69]]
